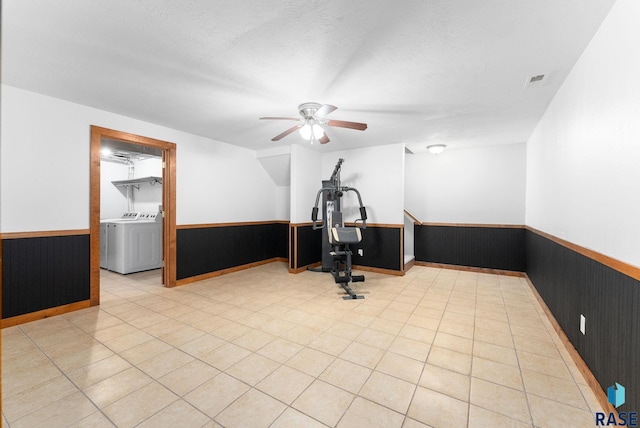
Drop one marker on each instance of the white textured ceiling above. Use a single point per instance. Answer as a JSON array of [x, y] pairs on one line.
[[416, 71]]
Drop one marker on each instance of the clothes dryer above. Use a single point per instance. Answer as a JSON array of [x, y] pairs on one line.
[[134, 246], [104, 244]]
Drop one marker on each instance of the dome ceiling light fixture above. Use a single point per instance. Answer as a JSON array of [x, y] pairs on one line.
[[436, 149]]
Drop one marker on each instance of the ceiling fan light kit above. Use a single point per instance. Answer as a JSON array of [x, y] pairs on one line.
[[313, 117], [311, 131]]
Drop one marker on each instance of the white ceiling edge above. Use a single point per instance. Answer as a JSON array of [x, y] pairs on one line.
[[275, 151]]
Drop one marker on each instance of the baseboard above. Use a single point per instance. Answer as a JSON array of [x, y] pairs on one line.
[[379, 270], [355, 267], [208, 275], [304, 268], [471, 269], [45, 313], [411, 263], [575, 356]]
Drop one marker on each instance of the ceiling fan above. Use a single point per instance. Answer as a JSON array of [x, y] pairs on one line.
[[313, 117]]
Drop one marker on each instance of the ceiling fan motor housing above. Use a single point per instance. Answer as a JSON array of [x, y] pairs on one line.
[[307, 110]]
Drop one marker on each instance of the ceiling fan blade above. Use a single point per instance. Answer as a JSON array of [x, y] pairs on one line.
[[325, 110], [285, 133], [345, 124], [279, 118], [324, 139]]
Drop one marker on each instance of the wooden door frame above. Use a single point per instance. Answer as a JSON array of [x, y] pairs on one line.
[[169, 204]]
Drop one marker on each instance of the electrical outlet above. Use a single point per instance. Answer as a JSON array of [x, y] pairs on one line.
[[583, 322], [360, 252]]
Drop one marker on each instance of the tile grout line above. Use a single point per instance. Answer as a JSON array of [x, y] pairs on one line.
[[473, 344], [417, 384], [524, 387], [406, 416], [178, 300], [63, 373], [211, 419], [559, 347]]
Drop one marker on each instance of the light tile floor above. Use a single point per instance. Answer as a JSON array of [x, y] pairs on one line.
[[262, 347]]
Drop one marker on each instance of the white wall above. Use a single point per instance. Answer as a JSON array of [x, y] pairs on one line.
[[484, 185], [148, 196], [45, 165], [145, 198], [277, 163], [378, 174], [1, 151], [113, 202], [283, 202], [306, 180], [409, 239], [583, 172], [151, 167], [218, 182]]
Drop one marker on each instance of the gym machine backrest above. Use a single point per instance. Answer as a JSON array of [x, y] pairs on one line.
[[338, 234]]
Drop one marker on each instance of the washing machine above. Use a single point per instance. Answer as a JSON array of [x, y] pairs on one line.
[[134, 245], [127, 216]]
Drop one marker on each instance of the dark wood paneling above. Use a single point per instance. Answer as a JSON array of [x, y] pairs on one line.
[[209, 249], [292, 246], [42, 273], [482, 247], [381, 247], [282, 231], [572, 284], [309, 249]]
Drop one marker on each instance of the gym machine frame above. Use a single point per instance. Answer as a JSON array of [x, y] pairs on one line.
[[336, 254]]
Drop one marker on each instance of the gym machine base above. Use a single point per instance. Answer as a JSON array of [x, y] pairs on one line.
[[336, 254]]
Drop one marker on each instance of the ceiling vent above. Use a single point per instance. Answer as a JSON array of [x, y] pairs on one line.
[[536, 80]]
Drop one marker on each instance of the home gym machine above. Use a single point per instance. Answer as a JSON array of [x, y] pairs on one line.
[[336, 254]]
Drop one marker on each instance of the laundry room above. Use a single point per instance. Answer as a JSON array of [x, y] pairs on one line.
[[130, 207]]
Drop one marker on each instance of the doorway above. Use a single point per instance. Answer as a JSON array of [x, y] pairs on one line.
[[168, 152]]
